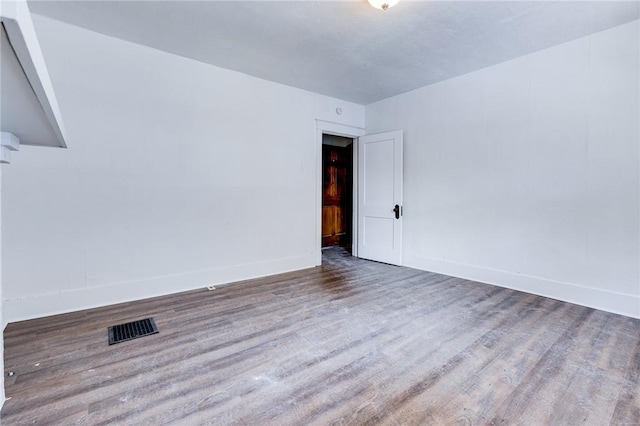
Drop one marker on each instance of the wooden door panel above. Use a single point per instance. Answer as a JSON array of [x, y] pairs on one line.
[[336, 195]]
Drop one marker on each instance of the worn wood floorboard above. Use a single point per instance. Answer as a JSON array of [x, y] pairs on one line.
[[351, 342]]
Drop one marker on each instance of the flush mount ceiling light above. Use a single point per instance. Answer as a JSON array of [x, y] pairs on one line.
[[383, 4]]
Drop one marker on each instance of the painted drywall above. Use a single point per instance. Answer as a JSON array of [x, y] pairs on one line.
[[179, 175], [526, 174], [2, 320], [347, 49]]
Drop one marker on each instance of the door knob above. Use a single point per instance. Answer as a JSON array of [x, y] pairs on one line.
[[396, 210]]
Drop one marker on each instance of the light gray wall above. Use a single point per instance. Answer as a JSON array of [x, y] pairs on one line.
[[178, 175], [526, 174]]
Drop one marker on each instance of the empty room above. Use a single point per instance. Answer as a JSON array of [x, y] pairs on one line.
[[320, 212]]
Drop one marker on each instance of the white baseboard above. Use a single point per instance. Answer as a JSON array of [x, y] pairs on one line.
[[92, 297], [617, 303]]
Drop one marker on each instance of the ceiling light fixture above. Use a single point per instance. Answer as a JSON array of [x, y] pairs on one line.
[[383, 4]]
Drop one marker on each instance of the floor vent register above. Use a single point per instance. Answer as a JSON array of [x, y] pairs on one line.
[[132, 330]]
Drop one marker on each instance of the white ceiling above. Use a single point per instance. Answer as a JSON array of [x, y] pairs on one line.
[[346, 49]]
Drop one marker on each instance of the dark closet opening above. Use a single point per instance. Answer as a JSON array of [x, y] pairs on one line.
[[337, 191]]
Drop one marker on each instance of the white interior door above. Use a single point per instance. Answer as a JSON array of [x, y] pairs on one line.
[[380, 197]]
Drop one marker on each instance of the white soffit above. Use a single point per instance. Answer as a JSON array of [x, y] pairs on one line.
[[28, 107], [346, 49]]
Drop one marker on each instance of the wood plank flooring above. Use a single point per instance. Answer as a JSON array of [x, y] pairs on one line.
[[351, 342]]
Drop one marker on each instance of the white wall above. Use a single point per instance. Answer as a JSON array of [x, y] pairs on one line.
[[2, 321], [526, 174], [178, 175]]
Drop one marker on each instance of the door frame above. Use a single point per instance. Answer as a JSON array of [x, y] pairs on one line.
[[336, 129]]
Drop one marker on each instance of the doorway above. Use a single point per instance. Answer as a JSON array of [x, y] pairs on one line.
[[337, 192], [381, 156], [353, 133]]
